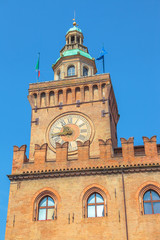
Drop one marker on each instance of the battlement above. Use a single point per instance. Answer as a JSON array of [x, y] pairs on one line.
[[126, 155]]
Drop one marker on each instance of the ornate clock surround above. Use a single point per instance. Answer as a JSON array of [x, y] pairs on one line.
[[74, 127]]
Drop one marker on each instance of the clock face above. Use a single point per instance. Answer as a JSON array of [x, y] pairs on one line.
[[69, 128]]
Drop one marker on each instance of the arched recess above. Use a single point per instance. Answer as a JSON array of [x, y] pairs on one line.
[[104, 90], [51, 98], [35, 99], [77, 94], [40, 196], [86, 93], [95, 92], [89, 191], [149, 187], [69, 95], [60, 96], [43, 99]]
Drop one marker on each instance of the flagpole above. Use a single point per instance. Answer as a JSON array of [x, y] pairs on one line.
[[38, 67], [103, 65]]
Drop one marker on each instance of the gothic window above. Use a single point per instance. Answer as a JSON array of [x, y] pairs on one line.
[[71, 71], [151, 202], [95, 205], [85, 71], [46, 209]]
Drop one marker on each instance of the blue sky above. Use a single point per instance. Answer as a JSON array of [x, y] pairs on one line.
[[129, 30]]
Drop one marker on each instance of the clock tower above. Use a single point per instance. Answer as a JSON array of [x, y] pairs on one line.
[[77, 184], [78, 106]]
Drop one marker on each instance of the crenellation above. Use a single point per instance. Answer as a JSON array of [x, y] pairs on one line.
[[150, 146], [125, 155], [127, 148], [106, 149], [19, 158], [83, 150], [40, 154], [61, 152]]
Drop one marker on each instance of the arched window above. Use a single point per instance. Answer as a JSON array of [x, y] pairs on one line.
[[71, 71], [46, 209], [95, 205], [85, 71], [151, 202]]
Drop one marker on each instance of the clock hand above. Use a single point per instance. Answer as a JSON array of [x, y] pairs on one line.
[[66, 131]]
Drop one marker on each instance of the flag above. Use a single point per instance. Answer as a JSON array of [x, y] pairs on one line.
[[102, 53], [37, 66]]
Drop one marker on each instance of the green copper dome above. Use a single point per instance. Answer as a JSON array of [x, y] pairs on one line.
[[74, 52], [74, 28]]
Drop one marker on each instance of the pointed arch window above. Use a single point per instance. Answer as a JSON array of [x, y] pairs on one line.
[[95, 205], [46, 209], [151, 202], [71, 71]]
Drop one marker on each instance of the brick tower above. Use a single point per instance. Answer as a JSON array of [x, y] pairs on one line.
[[76, 183]]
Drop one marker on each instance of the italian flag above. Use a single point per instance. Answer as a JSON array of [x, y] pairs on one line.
[[37, 66]]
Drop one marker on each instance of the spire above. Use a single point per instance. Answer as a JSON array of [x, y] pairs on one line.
[[74, 19]]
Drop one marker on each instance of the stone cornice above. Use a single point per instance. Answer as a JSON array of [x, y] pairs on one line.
[[70, 172]]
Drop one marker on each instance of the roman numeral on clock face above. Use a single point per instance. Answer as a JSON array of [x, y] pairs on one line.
[[70, 120], [81, 137], [81, 125], [58, 127], [83, 130], [70, 145], [62, 122], [56, 138]]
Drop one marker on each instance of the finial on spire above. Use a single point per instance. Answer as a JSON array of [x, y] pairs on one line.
[[74, 19]]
